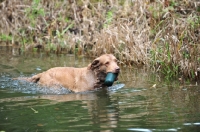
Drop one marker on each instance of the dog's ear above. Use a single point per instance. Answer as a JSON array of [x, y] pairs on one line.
[[94, 64]]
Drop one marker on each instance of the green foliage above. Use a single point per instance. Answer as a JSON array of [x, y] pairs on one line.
[[5, 37], [60, 34], [198, 8], [67, 19], [109, 17], [34, 49], [52, 47], [162, 60], [34, 12], [169, 70], [194, 21], [173, 3]]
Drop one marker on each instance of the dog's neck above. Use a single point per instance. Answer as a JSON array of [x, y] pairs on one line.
[[100, 77]]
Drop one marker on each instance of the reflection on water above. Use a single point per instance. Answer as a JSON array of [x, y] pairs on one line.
[[136, 107]]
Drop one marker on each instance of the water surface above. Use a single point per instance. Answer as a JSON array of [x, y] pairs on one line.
[[137, 106]]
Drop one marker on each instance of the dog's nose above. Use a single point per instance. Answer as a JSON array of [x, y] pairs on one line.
[[117, 69]]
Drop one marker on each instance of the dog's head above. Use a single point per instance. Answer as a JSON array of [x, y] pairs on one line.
[[103, 65]]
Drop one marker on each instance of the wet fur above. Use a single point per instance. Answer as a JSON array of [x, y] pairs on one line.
[[78, 79]]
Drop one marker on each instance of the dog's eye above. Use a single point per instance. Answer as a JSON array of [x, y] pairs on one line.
[[106, 63], [117, 61]]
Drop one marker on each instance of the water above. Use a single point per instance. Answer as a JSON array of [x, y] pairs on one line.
[[137, 106]]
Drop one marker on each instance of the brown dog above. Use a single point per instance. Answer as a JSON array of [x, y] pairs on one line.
[[78, 79]]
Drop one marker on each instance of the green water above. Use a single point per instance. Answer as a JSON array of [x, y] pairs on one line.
[[137, 106]]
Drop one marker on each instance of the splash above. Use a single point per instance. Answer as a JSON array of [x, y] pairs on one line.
[[115, 87], [26, 87]]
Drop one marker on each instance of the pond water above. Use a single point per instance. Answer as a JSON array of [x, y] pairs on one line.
[[137, 106]]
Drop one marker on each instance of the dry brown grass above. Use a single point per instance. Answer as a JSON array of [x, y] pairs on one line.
[[162, 34]]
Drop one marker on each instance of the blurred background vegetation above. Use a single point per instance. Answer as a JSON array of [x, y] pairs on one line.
[[163, 35]]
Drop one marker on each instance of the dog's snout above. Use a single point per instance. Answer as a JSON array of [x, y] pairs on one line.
[[117, 69]]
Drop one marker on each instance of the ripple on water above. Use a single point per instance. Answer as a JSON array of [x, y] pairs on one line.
[[33, 88], [191, 124]]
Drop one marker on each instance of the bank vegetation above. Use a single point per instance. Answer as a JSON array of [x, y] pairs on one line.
[[163, 35]]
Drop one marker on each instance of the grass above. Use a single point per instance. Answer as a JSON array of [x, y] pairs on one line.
[[163, 36]]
